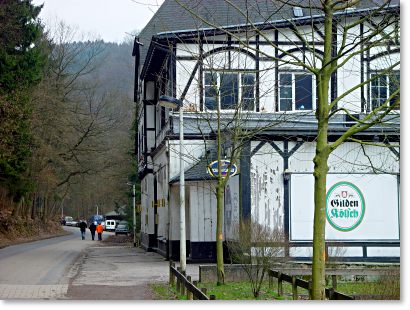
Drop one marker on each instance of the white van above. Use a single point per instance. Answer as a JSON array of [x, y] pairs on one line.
[[110, 225]]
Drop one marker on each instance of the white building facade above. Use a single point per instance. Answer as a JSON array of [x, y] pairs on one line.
[[212, 69]]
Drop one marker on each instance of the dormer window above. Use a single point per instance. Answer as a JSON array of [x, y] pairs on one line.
[[229, 90], [297, 11]]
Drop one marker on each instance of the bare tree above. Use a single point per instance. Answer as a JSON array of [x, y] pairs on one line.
[[75, 123], [257, 249]]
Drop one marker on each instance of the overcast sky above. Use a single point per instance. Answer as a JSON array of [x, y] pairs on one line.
[[104, 19]]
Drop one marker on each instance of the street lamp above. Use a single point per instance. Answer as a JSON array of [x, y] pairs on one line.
[[173, 103], [134, 223]]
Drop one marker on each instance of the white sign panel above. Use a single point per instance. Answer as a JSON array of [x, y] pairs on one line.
[[358, 207]]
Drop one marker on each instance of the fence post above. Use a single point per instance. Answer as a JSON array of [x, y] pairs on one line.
[[294, 288], [171, 275], [331, 294], [178, 287], [280, 289], [212, 297], [204, 290], [183, 284], [334, 282], [195, 283], [188, 292], [310, 290]]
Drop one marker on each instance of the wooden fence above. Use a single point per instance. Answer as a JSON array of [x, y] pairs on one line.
[[185, 285], [307, 285]]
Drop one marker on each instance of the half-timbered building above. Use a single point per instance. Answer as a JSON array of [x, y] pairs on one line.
[[211, 57]]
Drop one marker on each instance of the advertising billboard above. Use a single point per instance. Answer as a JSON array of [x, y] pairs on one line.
[[359, 207]]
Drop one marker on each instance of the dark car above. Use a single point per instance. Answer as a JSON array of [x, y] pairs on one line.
[[122, 228]]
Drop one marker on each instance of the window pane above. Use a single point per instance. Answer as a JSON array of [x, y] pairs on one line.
[[285, 79], [394, 85], [210, 78], [210, 103], [383, 80], [285, 104], [248, 104], [247, 92], [286, 92], [210, 91], [229, 90], [383, 93], [303, 92], [248, 79]]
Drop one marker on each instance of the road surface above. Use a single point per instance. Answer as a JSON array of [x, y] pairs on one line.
[[41, 269], [70, 268]]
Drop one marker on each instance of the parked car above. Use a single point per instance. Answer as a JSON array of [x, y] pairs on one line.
[[122, 228], [69, 221], [110, 225]]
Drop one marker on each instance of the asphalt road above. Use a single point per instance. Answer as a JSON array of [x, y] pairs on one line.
[[70, 268], [43, 262]]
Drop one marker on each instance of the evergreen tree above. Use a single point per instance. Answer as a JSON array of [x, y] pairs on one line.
[[21, 61]]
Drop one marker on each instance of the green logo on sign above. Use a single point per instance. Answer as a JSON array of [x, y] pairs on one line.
[[344, 206]]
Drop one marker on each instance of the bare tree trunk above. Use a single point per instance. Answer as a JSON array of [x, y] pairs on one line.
[[219, 210], [219, 232]]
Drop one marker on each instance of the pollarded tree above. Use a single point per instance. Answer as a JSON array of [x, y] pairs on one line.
[[345, 34]]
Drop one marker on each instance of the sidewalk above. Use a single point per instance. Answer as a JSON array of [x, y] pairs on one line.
[[118, 272]]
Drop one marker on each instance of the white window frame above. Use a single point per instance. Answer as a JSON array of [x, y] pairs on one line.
[[293, 73], [239, 74]]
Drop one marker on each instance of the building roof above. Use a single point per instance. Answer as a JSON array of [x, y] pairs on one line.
[[199, 171], [172, 17]]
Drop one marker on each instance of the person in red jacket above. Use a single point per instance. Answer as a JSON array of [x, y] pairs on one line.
[[100, 230]]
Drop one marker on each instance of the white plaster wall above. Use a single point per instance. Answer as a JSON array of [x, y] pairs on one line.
[[231, 210], [189, 50], [349, 74], [183, 74], [147, 196], [383, 251], [192, 150], [347, 158], [267, 86], [345, 251], [267, 187], [161, 171]]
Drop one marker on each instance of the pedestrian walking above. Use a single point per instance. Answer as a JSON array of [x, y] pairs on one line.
[[93, 228], [100, 230], [83, 227]]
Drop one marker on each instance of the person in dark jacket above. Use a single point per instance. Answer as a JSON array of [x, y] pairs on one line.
[[83, 227], [92, 228]]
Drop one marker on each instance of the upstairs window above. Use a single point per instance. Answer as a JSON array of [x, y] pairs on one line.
[[295, 92], [228, 90], [382, 87]]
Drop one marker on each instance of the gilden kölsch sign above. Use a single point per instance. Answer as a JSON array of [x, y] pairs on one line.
[[345, 206]]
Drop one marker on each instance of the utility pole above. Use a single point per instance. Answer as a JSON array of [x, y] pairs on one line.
[[134, 215]]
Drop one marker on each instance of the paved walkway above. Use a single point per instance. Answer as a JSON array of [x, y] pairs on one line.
[[56, 291], [119, 272], [103, 271]]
